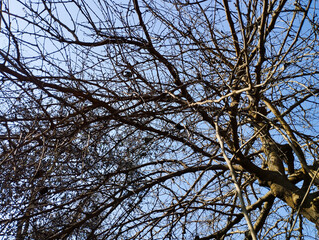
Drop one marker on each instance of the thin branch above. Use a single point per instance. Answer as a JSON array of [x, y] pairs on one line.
[[233, 175]]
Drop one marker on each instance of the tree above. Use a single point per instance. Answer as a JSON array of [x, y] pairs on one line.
[[163, 119]]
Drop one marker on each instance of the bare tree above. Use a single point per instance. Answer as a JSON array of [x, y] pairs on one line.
[[169, 119]]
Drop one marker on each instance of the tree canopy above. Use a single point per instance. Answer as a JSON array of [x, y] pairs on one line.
[[168, 119]]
